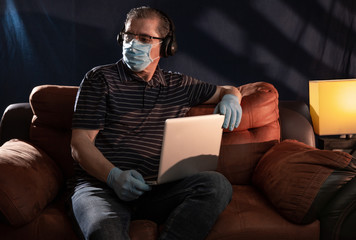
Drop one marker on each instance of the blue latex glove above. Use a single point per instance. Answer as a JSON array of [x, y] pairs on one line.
[[230, 107], [128, 185]]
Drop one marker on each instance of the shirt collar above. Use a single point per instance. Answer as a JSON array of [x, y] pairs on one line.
[[127, 75]]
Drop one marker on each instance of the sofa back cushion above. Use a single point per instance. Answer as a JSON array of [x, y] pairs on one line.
[[50, 130], [260, 115], [53, 109]]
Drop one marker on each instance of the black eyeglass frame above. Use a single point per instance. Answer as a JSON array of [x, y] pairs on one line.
[[138, 35]]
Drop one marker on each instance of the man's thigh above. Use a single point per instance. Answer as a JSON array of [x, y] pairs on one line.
[[159, 203], [99, 212]]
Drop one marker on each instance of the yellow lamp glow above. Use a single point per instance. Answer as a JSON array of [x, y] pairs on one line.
[[333, 106]]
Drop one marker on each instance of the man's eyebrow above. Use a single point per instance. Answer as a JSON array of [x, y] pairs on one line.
[[142, 34]]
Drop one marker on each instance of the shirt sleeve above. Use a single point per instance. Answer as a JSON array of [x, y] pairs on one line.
[[197, 90], [90, 104]]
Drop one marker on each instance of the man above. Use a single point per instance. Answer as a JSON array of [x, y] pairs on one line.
[[117, 135]]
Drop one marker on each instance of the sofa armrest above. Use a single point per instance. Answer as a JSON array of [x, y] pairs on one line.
[[295, 122], [15, 122]]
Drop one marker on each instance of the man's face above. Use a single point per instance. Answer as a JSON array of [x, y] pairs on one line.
[[146, 26]]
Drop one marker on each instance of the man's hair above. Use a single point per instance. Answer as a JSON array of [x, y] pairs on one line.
[[148, 12]]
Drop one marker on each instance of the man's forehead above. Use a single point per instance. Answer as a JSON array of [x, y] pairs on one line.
[[155, 19], [144, 25]]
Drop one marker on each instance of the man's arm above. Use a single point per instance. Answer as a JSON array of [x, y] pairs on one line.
[[223, 90], [128, 185], [88, 156]]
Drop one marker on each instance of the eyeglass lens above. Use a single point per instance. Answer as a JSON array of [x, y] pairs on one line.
[[140, 37]]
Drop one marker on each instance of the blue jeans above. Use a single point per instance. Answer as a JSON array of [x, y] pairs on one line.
[[188, 208]]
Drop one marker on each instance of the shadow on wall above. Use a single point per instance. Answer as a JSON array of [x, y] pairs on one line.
[[286, 43]]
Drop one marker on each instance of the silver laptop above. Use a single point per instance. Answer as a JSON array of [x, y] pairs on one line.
[[190, 145]]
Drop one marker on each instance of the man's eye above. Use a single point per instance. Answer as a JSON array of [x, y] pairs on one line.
[[128, 37], [145, 39]]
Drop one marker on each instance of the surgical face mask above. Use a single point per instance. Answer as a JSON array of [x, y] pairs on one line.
[[137, 55]]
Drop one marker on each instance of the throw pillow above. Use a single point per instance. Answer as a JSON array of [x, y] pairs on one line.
[[29, 180], [292, 176]]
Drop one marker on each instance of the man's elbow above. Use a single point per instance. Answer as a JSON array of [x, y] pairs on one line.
[[74, 149], [77, 141], [81, 143]]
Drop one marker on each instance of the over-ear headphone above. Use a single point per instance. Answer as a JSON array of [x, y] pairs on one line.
[[169, 43]]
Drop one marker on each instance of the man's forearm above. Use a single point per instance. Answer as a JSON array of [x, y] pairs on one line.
[[221, 91], [90, 158], [230, 90]]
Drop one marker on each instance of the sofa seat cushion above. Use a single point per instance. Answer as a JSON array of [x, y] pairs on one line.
[[53, 223], [299, 180], [238, 161], [250, 216], [143, 229], [29, 180]]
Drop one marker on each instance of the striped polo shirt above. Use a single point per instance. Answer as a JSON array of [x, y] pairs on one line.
[[130, 113]]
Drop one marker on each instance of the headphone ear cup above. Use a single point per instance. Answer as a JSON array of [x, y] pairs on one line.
[[169, 46], [172, 47], [119, 39], [164, 47]]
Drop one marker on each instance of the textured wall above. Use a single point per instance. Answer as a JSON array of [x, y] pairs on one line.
[[286, 43]]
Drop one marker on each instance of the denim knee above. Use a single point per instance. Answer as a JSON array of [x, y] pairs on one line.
[[205, 196], [217, 187], [100, 214]]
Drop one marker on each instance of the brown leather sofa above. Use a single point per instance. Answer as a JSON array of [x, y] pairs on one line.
[[283, 189]]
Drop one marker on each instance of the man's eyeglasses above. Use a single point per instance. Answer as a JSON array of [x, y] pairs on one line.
[[143, 38]]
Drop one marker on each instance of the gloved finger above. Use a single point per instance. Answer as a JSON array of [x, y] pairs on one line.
[[239, 116], [137, 175], [139, 182], [217, 109], [233, 119], [130, 189], [222, 109], [134, 192], [227, 117], [140, 186]]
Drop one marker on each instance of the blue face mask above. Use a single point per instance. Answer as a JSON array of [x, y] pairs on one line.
[[137, 55]]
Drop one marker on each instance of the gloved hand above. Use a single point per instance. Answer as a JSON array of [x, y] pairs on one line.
[[231, 108], [128, 185]]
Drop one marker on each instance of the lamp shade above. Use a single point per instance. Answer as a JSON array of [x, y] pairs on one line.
[[333, 106]]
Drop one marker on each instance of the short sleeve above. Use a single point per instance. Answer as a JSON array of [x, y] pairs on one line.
[[90, 104], [198, 91]]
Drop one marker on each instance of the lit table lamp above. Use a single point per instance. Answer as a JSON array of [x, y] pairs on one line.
[[333, 106]]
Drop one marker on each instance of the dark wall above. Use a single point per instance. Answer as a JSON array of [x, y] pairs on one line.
[[284, 42]]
